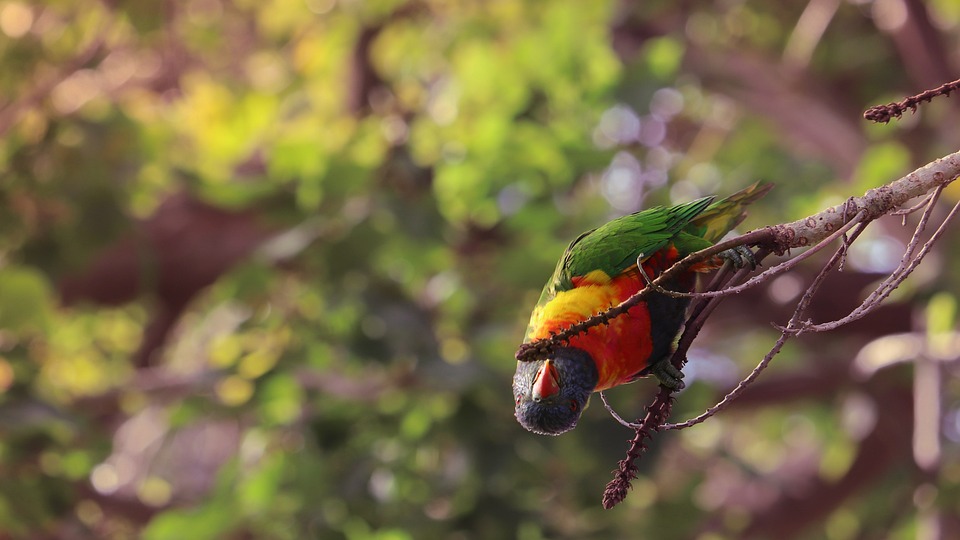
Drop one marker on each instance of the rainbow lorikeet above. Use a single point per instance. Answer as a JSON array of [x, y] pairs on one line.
[[598, 271]]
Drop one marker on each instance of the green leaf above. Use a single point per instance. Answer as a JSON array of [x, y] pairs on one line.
[[207, 522], [260, 487], [26, 300]]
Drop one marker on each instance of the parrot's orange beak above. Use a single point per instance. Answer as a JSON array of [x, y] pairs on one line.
[[547, 382]]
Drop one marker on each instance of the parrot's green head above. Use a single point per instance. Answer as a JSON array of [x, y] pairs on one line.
[[551, 394]]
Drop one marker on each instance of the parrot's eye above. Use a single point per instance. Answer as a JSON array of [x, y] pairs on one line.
[[574, 405]]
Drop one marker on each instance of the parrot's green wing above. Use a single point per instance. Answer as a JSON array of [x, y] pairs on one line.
[[615, 246]]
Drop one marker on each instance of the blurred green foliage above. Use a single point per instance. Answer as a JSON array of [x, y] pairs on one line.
[[264, 265]]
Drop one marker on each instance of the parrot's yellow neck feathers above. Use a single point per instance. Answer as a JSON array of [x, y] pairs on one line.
[[591, 295]]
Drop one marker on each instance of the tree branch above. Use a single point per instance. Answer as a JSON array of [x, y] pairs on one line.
[[815, 231]]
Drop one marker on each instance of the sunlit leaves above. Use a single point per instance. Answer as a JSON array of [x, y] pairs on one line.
[[220, 126], [87, 354]]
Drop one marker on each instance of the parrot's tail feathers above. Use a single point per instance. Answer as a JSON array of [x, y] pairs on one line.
[[722, 216]]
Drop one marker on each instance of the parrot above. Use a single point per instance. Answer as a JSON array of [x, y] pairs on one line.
[[599, 270]]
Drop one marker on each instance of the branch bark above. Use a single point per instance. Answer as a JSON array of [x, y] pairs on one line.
[[876, 202]]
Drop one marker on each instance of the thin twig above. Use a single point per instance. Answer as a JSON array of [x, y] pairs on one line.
[[613, 413], [907, 211], [845, 243]]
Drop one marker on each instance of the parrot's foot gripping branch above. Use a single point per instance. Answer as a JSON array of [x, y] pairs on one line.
[[668, 375], [740, 256]]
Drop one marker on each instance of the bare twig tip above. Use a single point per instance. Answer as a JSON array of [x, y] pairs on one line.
[[885, 113]]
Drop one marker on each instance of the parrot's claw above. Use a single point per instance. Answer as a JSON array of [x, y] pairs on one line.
[[740, 256], [668, 375]]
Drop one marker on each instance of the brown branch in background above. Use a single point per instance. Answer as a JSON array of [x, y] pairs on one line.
[[163, 319], [885, 113], [885, 447], [363, 80], [185, 246]]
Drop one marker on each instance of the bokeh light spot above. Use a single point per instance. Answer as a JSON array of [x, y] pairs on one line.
[[154, 491], [16, 19], [104, 478], [234, 390]]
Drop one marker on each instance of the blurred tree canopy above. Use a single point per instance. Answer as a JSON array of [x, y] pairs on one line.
[[264, 265]]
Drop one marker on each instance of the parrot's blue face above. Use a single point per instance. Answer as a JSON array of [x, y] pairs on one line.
[[551, 394]]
